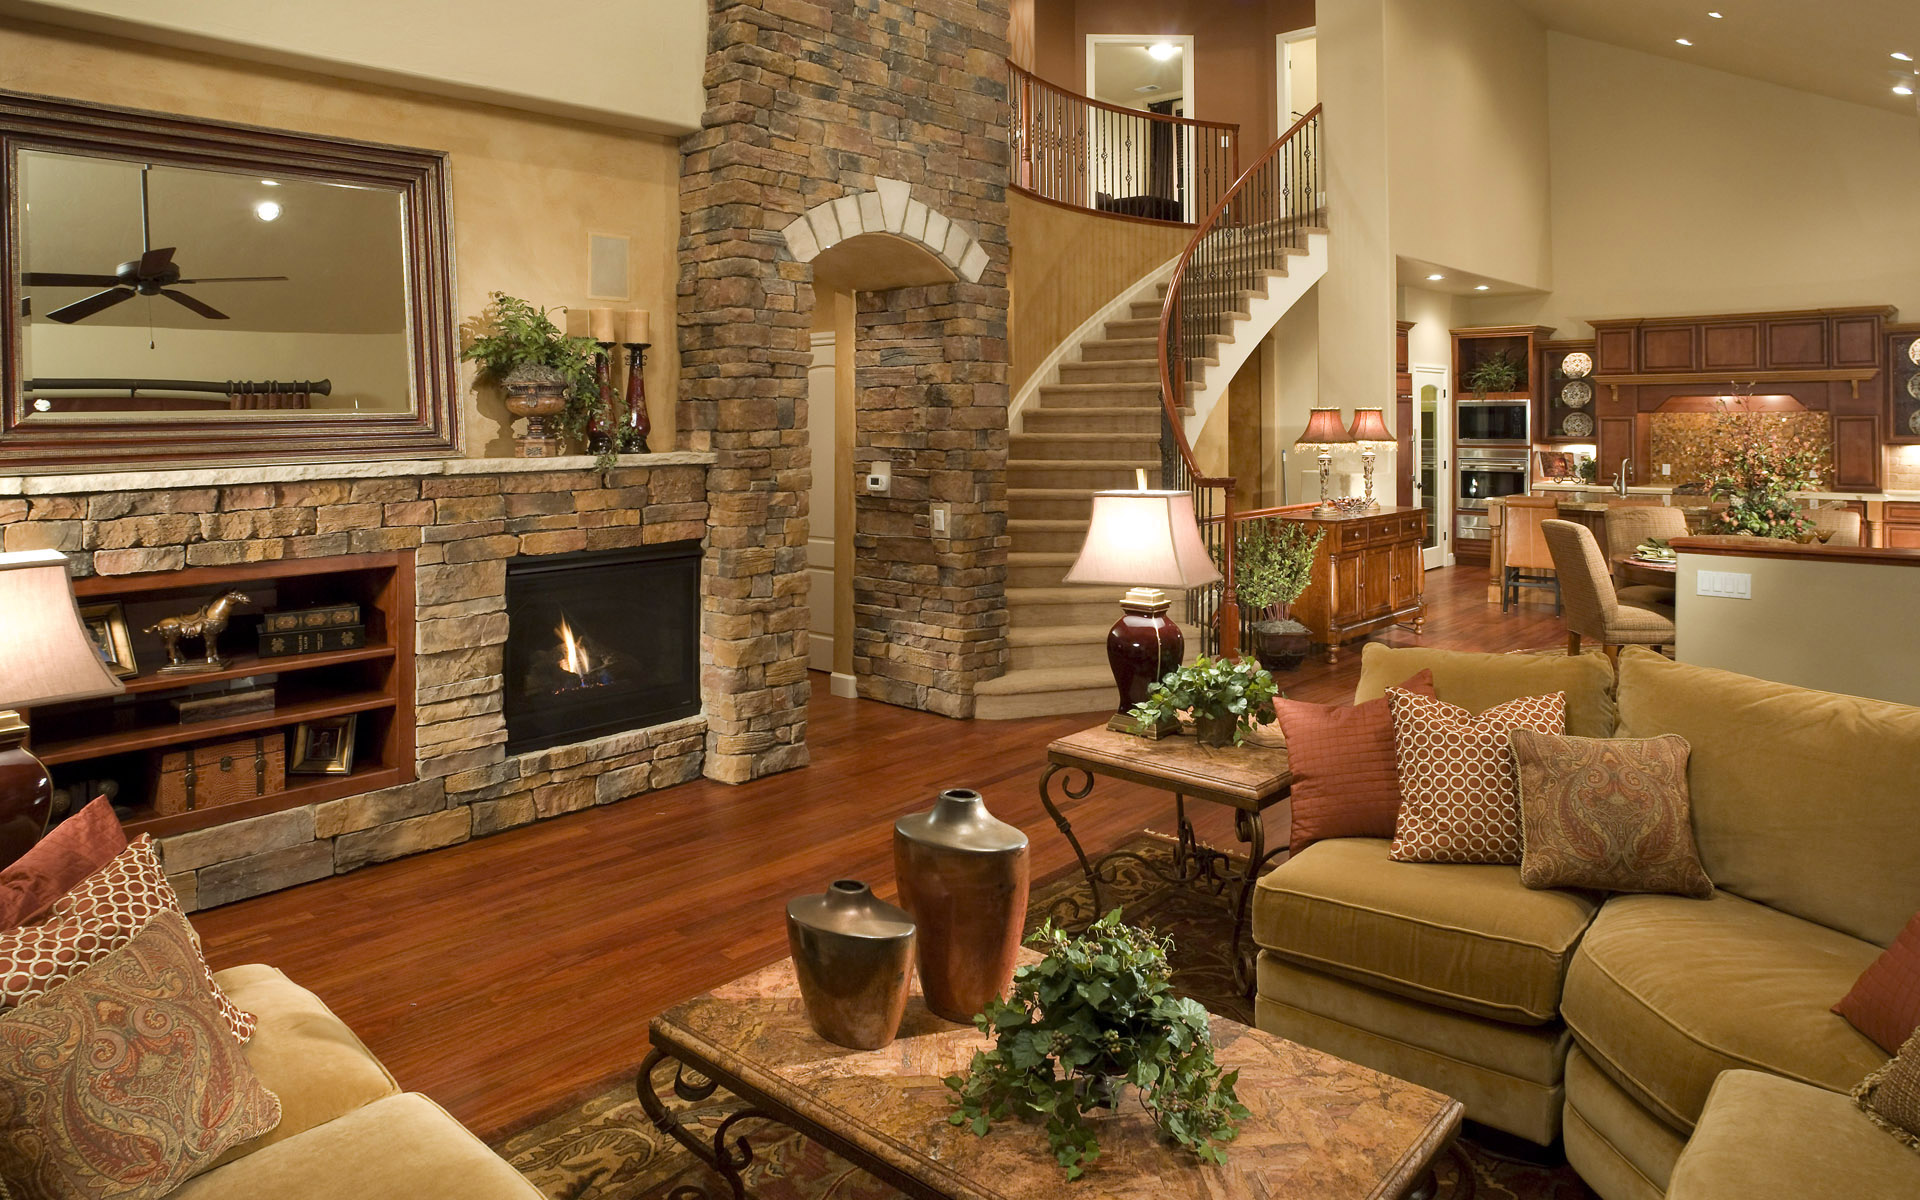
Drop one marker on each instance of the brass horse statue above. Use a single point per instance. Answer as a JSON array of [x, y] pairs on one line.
[[205, 623]]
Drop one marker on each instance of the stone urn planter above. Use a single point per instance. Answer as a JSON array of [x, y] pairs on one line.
[[540, 395], [1281, 645]]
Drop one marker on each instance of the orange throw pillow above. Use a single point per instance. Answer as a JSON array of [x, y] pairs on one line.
[[1345, 780], [1885, 1001], [1459, 794], [71, 851]]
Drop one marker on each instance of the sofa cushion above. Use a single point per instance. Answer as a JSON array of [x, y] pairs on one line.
[[1802, 800], [1665, 993], [1767, 1138], [402, 1146], [1884, 1003], [71, 851], [1469, 938], [1459, 799], [1345, 781], [303, 1053], [1477, 682]]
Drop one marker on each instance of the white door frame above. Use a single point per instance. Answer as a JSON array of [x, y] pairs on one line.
[[1440, 554], [1284, 92]]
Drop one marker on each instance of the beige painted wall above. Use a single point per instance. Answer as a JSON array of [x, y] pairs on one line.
[[1291, 371], [1678, 189], [1467, 120], [634, 64], [1772, 636], [527, 189], [1068, 265]]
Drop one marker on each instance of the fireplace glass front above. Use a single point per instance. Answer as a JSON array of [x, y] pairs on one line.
[[601, 642]]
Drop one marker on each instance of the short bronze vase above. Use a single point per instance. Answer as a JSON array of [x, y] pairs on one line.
[[964, 877], [853, 955]]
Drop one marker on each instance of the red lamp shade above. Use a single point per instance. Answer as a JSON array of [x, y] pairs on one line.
[[1370, 427], [1324, 428]]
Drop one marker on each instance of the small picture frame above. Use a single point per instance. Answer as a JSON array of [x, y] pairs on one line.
[[106, 624], [323, 747]]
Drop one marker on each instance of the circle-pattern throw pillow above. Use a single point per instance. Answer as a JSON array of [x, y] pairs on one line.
[[1459, 795]]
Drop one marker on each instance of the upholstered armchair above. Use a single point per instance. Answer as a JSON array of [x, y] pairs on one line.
[[1594, 610], [1844, 523], [1630, 525]]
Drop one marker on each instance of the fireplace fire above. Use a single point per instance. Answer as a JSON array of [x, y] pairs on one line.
[[601, 642]]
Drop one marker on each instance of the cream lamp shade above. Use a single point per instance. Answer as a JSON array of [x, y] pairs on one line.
[[1370, 428], [1143, 539], [49, 658], [1324, 430]]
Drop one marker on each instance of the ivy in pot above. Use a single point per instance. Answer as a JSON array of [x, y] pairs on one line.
[[1095, 1016], [1272, 565], [1227, 699]]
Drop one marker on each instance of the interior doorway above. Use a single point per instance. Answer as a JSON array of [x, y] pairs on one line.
[[1140, 167], [1433, 472], [1298, 71]]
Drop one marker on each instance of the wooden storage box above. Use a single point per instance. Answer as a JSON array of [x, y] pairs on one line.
[[216, 773]]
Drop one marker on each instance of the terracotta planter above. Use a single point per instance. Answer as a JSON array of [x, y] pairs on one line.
[[1214, 731], [853, 955], [964, 877]]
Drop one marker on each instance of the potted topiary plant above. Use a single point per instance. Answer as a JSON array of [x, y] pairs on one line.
[[1227, 699], [544, 373], [1500, 371], [1272, 564], [1096, 1016]]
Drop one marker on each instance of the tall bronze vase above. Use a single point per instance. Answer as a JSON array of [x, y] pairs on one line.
[[853, 954], [964, 876]]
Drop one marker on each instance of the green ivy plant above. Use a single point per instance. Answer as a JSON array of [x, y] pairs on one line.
[[1213, 688], [1273, 563], [1500, 371], [1096, 1015], [513, 335]]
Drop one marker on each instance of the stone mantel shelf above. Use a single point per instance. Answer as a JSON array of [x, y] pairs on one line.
[[200, 477]]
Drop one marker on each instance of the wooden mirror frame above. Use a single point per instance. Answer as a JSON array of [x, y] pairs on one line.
[[420, 177]]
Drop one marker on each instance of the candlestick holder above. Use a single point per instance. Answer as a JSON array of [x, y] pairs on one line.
[[600, 426], [637, 427]]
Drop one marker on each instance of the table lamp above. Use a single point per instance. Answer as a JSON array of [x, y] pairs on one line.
[[49, 658], [1370, 431], [1324, 431], [1143, 540]]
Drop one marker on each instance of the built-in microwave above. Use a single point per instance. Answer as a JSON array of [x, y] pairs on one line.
[[1493, 422], [1487, 474]]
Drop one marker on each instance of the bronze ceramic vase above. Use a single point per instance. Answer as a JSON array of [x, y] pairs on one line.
[[853, 954], [963, 875]]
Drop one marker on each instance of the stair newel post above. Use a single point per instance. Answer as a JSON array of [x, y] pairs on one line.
[[1229, 605]]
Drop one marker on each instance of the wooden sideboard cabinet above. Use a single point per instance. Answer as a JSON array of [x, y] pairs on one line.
[[1367, 575]]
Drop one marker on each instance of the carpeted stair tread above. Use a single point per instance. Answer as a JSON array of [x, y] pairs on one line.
[[1048, 679]]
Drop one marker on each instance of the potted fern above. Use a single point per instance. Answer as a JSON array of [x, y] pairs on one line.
[[1501, 371], [1272, 564], [544, 373]]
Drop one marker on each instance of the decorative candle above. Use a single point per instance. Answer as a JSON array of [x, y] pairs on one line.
[[578, 324], [603, 326], [639, 327]]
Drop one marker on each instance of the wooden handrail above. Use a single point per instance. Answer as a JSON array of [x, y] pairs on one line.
[[1087, 154], [1263, 251]]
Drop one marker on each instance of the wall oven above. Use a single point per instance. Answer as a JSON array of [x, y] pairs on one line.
[[1493, 422], [1484, 474]]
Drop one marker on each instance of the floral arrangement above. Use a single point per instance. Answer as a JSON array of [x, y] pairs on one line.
[[1757, 461], [1095, 1016]]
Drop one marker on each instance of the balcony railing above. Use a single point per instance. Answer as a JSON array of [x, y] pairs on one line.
[[1080, 152]]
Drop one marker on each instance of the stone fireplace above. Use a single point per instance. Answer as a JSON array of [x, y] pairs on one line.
[[600, 642]]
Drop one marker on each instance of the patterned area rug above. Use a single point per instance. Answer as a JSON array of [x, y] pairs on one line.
[[606, 1149]]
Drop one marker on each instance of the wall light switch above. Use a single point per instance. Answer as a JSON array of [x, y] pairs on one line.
[[941, 516], [880, 478], [1727, 585], [1666, 468]]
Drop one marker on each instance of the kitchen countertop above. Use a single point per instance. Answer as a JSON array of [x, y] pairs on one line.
[[1607, 492]]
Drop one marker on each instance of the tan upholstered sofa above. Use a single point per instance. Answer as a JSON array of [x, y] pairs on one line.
[[1610, 1019], [346, 1129]]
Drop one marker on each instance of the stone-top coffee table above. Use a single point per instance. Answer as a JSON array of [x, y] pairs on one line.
[[1322, 1128]]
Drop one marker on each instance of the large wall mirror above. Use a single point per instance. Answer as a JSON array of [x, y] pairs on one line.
[[185, 291]]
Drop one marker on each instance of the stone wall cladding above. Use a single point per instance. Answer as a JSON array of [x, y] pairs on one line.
[[811, 103], [462, 528]]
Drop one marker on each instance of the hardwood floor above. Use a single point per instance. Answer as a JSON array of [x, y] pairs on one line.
[[509, 975]]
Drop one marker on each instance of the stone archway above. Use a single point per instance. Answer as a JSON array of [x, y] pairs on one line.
[[889, 209]]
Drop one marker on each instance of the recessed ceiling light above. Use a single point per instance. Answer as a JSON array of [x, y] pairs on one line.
[[1435, 278], [1901, 89], [267, 210], [1903, 56], [1683, 41], [1479, 287], [1162, 51], [1716, 16], [270, 183]]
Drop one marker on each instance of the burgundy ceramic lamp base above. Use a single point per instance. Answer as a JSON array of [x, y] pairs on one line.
[[1143, 645], [26, 793]]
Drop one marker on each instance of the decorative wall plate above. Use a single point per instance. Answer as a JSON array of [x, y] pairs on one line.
[[1913, 383], [1913, 351], [1579, 392], [1579, 364], [1913, 420], [1577, 425]]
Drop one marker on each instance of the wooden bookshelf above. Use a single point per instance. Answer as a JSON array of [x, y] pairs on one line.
[[123, 738]]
